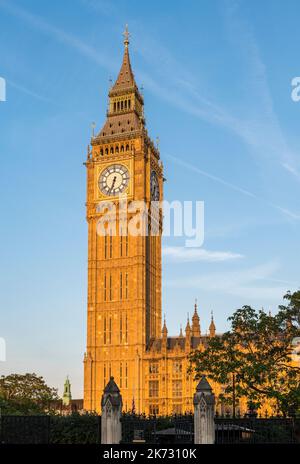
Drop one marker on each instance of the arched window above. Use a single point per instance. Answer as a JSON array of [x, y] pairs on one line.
[[121, 285], [101, 152], [111, 150], [105, 245], [117, 148], [104, 331], [118, 105], [122, 147], [126, 285], [125, 104], [129, 103], [127, 147], [110, 329], [106, 151], [110, 244], [110, 287], [121, 104], [121, 328], [115, 106], [121, 375], [104, 287]]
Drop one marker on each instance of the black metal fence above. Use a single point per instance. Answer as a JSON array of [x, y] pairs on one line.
[[176, 429], [256, 430], [180, 429], [170, 429], [25, 429], [44, 429], [138, 428]]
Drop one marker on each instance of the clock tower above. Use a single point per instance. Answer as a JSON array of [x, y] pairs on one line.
[[124, 269]]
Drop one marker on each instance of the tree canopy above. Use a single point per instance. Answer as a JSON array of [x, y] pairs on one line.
[[25, 394], [254, 358]]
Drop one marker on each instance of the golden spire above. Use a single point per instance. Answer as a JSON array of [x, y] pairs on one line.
[[126, 36], [164, 329], [212, 327], [196, 322]]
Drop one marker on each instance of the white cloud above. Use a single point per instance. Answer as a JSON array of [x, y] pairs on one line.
[[253, 283], [182, 254]]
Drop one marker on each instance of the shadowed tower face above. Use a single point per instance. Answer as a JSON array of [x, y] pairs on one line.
[[124, 271]]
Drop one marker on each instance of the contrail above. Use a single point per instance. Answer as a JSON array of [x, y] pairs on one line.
[[191, 167]]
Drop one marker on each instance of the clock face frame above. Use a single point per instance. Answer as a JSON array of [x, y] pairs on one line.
[[154, 186], [114, 180]]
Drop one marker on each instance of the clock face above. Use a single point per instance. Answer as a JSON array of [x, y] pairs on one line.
[[154, 186], [114, 179]]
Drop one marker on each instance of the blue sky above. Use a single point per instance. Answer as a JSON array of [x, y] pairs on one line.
[[217, 85]]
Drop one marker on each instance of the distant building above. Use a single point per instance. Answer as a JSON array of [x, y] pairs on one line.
[[67, 396], [67, 405]]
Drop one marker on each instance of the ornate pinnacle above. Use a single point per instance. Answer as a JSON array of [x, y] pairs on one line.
[[126, 36]]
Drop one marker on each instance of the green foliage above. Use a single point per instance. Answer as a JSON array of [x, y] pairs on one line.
[[25, 394], [254, 357], [75, 428]]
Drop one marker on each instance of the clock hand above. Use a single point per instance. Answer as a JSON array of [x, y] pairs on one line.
[[113, 183]]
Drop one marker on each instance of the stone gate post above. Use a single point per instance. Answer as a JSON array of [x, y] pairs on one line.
[[204, 413], [111, 405]]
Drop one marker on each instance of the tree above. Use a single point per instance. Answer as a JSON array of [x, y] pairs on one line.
[[253, 359], [25, 394]]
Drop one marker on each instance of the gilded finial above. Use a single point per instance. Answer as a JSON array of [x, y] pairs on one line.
[[93, 125], [126, 36]]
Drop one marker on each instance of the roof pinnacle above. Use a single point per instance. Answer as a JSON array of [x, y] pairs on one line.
[[164, 329], [126, 36], [212, 327]]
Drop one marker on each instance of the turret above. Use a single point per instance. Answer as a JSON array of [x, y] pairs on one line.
[[180, 333], [196, 332], [188, 328], [67, 396], [164, 333], [212, 327], [188, 334]]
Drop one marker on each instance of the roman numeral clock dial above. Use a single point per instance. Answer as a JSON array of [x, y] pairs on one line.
[[114, 179]]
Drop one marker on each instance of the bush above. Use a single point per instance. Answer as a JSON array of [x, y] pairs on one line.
[[75, 429]]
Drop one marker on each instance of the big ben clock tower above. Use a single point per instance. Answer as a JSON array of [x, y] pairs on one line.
[[124, 270]]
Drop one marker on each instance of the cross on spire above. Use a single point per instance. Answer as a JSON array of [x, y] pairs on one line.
[[126, 36]]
